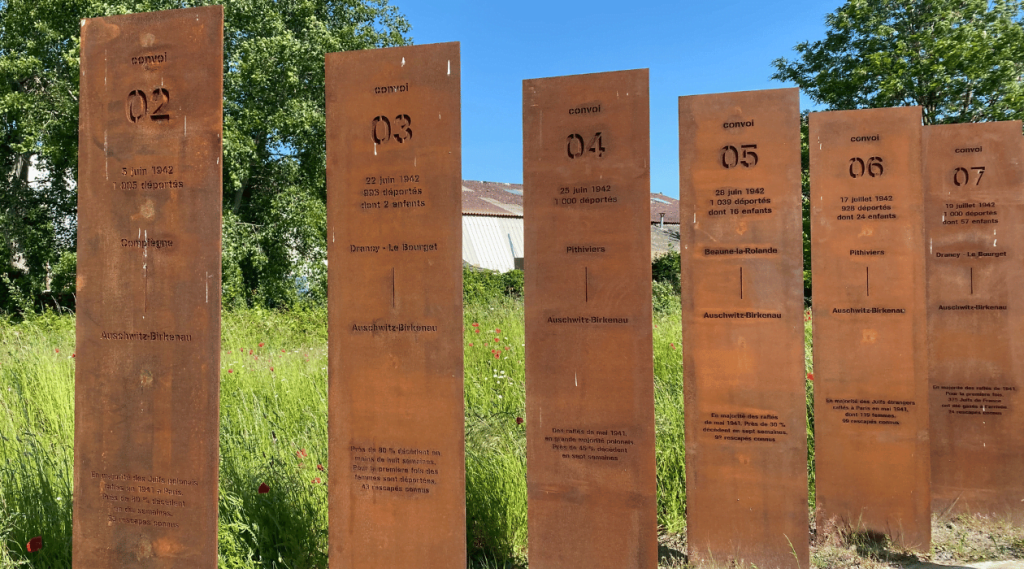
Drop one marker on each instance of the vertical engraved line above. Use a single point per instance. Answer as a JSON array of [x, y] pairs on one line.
[[741, 283], [145, 274], [972, 280], [392, 287], [586, 284], [867, 280]]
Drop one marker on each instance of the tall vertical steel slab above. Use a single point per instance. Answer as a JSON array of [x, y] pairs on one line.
[[743, 329], [147, 377], [394, 246], [589, 368], [974, 208], [870, 326]]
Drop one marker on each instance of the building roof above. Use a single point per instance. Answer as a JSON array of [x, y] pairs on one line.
[[497, 199], [660, 203], [492, 199]]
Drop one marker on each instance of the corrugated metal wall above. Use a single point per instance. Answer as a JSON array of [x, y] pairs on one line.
[[485, 241]]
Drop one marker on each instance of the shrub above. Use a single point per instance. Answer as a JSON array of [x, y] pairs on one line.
[[665, 299], [481, 285], [665, 269]]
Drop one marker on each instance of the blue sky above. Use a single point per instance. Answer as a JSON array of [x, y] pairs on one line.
[[690, 47]]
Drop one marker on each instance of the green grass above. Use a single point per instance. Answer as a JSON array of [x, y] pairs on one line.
[[274, 431]]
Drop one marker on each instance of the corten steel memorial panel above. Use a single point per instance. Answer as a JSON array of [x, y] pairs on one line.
[[147, 377], [589, 368], [394, 205], [743, 327], [973, 179], [870, 356]]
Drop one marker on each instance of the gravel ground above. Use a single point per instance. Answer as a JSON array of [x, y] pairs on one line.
[[961, 542]]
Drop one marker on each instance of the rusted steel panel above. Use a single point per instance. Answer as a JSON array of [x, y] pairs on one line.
[[397, 489], [148, 328], [870, 356], [973, 213], [742, 283], [589, 369]]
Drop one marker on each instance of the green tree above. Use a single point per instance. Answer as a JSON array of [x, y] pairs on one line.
[[959, 60], [274, 134]]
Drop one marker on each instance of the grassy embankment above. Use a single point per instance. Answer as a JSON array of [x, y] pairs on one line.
[[273, 408]]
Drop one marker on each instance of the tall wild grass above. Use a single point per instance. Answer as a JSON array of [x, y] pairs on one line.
[[274, 432]]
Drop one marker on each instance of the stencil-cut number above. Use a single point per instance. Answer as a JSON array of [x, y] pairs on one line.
[[136, 106], [402, 130], [742, 156], [873, 167], [382, 131], [575, 147], [962, 176], [160, 98]]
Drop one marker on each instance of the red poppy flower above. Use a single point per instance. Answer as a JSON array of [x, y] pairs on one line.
[[320, 467], [261, 344], [497, 355], [655, 325], [519, 420], [471, 344], [57, 350], [301, 453], [271, 369], [73, 355], [475, 324], [507, 348], [282, 351], [496, 339], [264, 488], [673, 346], [231, 371], [810, 376], [497, 330], [477, 330], [316, 480], [34, 544]]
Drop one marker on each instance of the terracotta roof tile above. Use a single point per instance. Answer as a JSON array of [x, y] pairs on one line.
[[492, 198], [660, 203]]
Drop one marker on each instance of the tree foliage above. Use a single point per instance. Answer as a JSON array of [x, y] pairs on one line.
[[274, 135], [960, 60]]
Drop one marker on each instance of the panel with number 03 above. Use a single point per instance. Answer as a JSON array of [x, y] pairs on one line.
[[397, 492]]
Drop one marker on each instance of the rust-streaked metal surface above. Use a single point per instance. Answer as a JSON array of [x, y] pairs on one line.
[[973, 179], [743, 328], [394, 245], [870, 357], [147, 377], [589, 368]]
